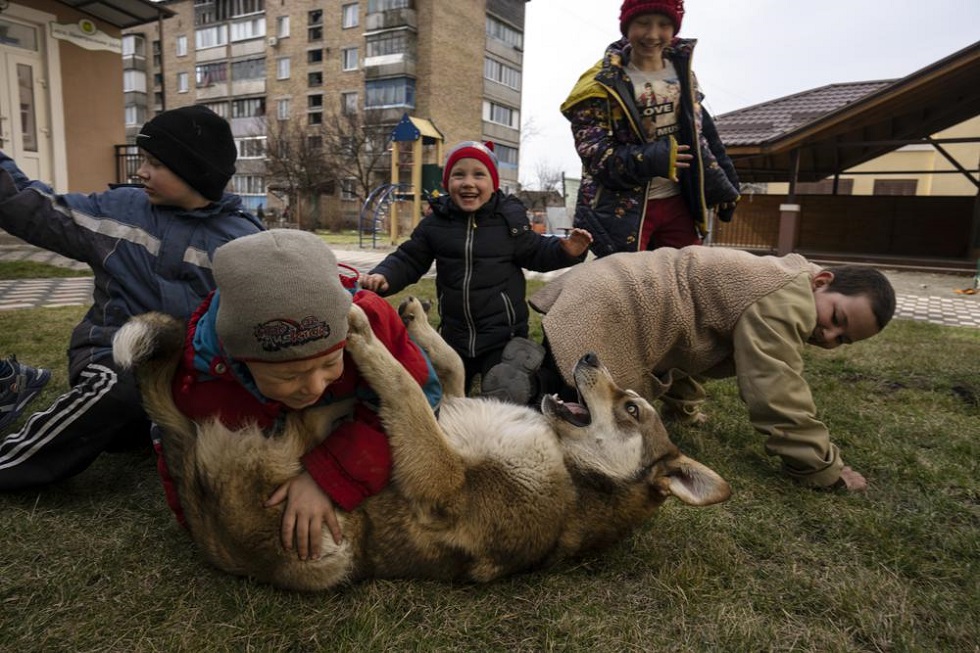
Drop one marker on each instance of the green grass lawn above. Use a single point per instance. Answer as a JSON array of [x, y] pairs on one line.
[[98, 564]]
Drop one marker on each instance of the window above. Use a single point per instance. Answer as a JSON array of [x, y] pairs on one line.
[[282, 109], [183, 84], [895, 186], [348, 103], [220, 108], [394, 92], [181, 46], [498, 113], [501, 73], [507, 157], [314, 56], [282, 26], [252, 147], [210, 74], [314, 21], [385, 5], [248, 69], [503, 32], [348, 59], [248, 29], [248, 108], [245, 7], [133, 46], [135, 115], [348, 189], [315, 78], [314, 101], [211, 37], [387, 43], [157, 80], [157, 54], [349, 16], [248, 184], [315, 118], [282, 68], [134, 80]]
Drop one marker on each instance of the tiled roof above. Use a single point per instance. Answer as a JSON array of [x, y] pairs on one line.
[[770, 120]]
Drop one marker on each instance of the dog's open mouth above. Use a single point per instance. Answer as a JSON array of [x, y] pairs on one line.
[[576, 414]]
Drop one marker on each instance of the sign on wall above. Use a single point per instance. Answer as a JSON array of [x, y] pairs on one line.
[[86, 34]]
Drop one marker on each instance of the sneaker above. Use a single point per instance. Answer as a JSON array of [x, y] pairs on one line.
[[513, 378], [17, 390]]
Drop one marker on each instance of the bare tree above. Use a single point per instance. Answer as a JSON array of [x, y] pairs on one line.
[[346, 150], [295, 166], [355, 147], [549, 176]]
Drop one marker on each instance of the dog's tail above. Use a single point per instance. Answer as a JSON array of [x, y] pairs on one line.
[[151, 345]]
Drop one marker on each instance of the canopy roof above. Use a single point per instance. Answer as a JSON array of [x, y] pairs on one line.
[[839, 126], [121, 13]]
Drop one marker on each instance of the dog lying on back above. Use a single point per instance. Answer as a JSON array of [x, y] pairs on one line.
[[486, 490]]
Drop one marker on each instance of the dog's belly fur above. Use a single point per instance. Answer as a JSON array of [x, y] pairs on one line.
[[507, 516]]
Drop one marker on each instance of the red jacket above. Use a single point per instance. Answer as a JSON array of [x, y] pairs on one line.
[[354, 461]]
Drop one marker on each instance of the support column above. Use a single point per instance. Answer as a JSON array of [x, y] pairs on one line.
[[789, 213], [789, 228]]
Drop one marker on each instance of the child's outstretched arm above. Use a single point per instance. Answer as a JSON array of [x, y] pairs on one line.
[[577, 242]]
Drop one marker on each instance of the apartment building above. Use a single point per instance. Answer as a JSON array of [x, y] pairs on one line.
[[266, 64]]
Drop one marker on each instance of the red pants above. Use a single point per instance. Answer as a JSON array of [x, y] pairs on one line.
[[668, 223]]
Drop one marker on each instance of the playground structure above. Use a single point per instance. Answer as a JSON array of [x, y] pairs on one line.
[[412, 179]]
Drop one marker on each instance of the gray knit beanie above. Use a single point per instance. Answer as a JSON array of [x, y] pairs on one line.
[[280, 297]]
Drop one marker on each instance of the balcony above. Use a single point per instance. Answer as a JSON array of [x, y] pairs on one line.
[[389, 65], [390, 19]]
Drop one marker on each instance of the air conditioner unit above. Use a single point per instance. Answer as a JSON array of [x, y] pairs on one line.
[[272, 41]]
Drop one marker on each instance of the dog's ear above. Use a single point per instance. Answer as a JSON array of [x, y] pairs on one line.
[[694, 483]]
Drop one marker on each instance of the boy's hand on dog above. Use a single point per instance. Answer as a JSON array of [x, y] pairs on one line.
[[376, 282], [307, 508]]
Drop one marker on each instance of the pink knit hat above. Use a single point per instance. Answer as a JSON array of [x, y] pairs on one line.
[[673, 9]]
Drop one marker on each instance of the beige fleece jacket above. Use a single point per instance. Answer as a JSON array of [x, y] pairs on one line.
[[706, 311]]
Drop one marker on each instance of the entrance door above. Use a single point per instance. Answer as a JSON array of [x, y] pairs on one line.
[[25, 132]]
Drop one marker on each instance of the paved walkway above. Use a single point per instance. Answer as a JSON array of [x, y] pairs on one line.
[[919, 303]]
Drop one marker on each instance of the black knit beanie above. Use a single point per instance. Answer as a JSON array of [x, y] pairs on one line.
[[196, 144]]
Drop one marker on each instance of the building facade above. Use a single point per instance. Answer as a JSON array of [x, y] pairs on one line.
[[278, 68], [60, 79]]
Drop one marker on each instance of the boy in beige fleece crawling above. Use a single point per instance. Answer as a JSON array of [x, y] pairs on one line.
[[659, 318]]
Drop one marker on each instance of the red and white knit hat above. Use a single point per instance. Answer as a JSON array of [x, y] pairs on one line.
[[482, 152]]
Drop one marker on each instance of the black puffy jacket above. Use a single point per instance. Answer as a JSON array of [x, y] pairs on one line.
[[479, 277]]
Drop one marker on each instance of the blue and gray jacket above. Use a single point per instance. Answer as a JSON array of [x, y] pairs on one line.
[[144, 257]]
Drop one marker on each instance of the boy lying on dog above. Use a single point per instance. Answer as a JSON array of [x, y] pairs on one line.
[[660, 319], [256, 351]]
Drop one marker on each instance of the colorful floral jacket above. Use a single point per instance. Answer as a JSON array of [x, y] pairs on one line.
[[618, 162]]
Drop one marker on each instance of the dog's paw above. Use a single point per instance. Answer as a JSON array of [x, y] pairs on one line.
[[412, 309], [358, 327]]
